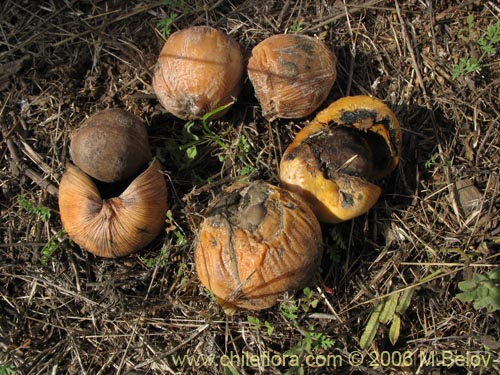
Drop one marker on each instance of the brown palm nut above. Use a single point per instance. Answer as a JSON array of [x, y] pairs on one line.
[[111, 145], [257, 241], [115, 226], [292, 75], [335, 159], [200, 69]]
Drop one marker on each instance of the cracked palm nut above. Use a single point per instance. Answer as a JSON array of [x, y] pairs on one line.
[[117, 225], [200, 69], [292, 75], [111, 145], [335, 160], [257, 242]]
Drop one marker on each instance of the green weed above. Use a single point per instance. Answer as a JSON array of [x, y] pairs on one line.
[[483, 290], [297, 26], [312, 342], [309, 301], [7, 369], [161, 260], [487, 44], [388, 310], [257, 323], [289, 309], [55, 243], [430, 162], [165, 24], [186, 151], [49, 249], [465, 65], [42, 212], [180, 240]]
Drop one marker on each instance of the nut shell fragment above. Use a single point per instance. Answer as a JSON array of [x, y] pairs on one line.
[[199, 69], [115, 226], [257, 242], [292, 75]]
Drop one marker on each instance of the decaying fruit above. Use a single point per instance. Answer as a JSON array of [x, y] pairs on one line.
[[256, 242], [292, 75], [111, 145], [116, 226], [199, 70], [334, 160]]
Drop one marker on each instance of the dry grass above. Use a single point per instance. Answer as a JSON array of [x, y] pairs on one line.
[[73, 313]]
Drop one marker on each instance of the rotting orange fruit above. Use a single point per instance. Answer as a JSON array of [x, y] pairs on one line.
[[292, 75], [199, 70], [257, 241], [335, 159]]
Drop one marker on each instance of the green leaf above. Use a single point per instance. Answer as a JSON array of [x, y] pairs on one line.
[[389, 308], [493, 33], [188, 133], [467, 285], [371, 327], [405, 300], [191, 152], [467, 296], [269, 327], [483, 290], [495, 293], [180, 238], [395, 329], [470, 21], [253, 320], [487, 302], [230, 370], [479, 277], [495, 275], [48, 250], [206, 116]]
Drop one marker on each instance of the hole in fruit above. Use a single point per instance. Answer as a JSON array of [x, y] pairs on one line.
[[108, 190], [342, 150], [381, 152]]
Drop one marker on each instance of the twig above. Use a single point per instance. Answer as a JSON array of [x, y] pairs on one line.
[[191, 337], [24, 169], [283, 11]]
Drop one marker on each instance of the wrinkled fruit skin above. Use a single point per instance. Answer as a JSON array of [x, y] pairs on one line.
[[199, 70], [292, 75], [115, 226], [111, 145], [257, 241], [334, 160]]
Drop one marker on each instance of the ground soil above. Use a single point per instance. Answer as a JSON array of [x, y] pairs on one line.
[[65, 311]]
